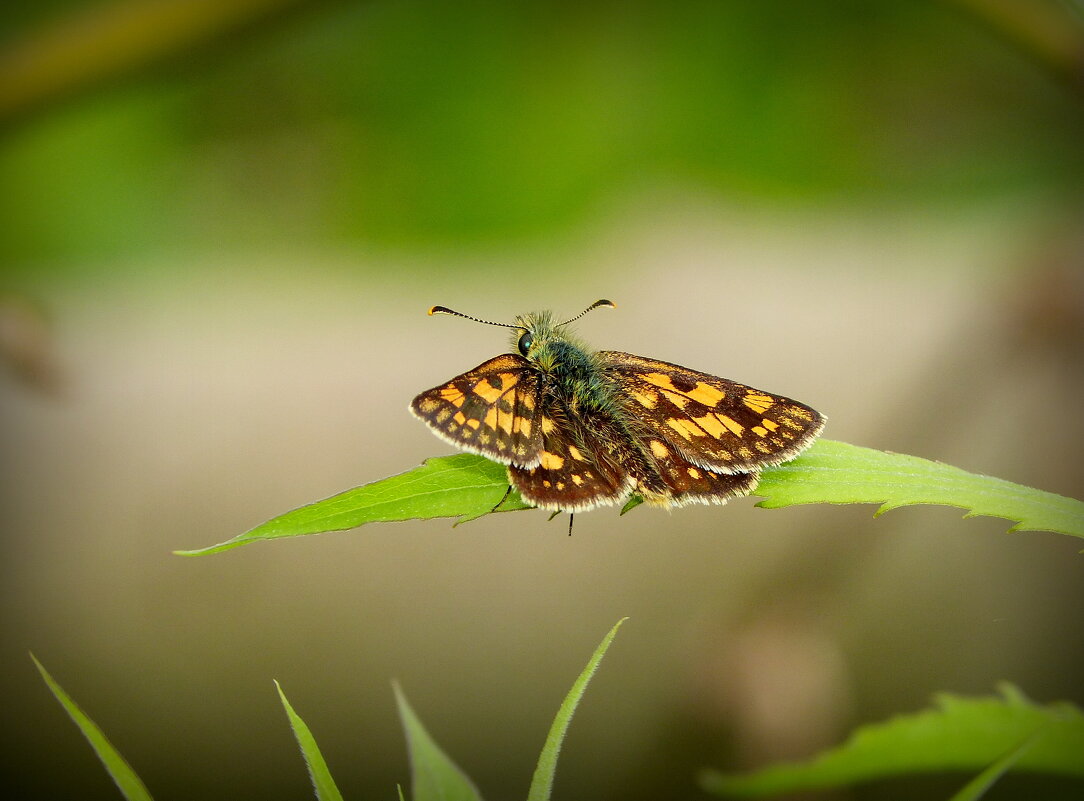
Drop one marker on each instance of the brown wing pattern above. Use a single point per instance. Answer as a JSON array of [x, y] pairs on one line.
[[687, 483], [491, 410], [714, 423], [567, 477]]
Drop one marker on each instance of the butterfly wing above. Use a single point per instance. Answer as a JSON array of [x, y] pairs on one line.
[[714, 423], [491, 410], [684, 482], [568, 477]]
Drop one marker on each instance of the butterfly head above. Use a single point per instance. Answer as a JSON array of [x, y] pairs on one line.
[[538, 338]]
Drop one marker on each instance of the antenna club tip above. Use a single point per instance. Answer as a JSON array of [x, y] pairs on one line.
[[436, 310], [608, 303]]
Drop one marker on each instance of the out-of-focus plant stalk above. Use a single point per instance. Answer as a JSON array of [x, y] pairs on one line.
[[107, 40]]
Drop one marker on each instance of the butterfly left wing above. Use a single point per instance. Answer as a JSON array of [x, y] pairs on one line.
[[491, 410], [714, 423]]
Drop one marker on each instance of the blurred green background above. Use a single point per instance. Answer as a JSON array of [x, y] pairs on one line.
[[222, 224]]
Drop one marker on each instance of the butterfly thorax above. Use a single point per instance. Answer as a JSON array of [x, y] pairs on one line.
[[572, 370]]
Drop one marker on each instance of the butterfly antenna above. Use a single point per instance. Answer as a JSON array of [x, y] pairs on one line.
[[446, 310], [608, 303]]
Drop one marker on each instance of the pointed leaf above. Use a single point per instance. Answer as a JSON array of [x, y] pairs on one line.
[[468, 486], [835, 472], [542, 783], [131, 787], [314, 760], [463, 485], [434, 777], [959, 734]]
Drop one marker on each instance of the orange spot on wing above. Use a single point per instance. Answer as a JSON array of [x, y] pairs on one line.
[[711, 424], [551, 461], [675, 398], [661, 380], [706, 394], [758, 401], [452, 395], [486, 391], [686, 427], [735, 427]]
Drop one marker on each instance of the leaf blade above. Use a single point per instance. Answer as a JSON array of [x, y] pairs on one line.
[[837, 472], [960, 733], [467, 486], [461, 485], [322, 782], [542, 781], [434, 777], [130, 785]]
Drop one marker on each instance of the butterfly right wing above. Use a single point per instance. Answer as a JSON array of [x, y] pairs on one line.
[[715, 423], [492, 410], [684, 482]]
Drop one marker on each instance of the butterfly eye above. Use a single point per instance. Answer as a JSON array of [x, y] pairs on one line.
[[525, 343]]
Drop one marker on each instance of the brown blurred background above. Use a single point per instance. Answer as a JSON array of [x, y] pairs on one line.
[[222, 226]]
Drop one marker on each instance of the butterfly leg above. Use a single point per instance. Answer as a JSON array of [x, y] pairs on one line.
[[570, 516], [504, 498]]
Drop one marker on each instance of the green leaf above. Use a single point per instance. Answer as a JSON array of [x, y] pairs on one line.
[[468, 486], [835, 472], [977, 787], [463, 485], [130, 785], [434, 777], [959, 734], [314, 760], [542, 783]]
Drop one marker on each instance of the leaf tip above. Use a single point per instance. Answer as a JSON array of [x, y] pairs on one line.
[[884, 507], [222, 546]]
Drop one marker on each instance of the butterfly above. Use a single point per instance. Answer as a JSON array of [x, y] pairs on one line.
[[580, 428]]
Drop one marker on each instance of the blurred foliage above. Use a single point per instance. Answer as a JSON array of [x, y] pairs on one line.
[[434, 124]]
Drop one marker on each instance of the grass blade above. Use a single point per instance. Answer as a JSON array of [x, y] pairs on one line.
[[434, 777], [131, 787], [542, 782], [314, 760]]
